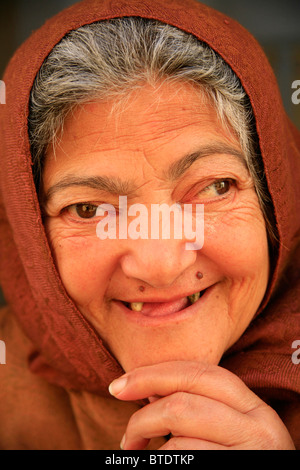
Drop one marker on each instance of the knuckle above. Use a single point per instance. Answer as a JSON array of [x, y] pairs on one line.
[[270, 431], [194, 374], [233, 382], [175, 408], [277, 435]]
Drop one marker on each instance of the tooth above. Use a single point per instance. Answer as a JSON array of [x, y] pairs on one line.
[[194, 297], [136, 306]]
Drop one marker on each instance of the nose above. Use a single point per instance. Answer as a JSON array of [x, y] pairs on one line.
[[159, 263]]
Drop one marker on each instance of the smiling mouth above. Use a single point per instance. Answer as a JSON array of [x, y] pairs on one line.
[[156, 309]]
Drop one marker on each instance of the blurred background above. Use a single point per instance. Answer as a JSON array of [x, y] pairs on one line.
[[274, 23]]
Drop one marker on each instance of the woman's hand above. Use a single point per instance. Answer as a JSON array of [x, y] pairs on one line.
[[201, 406]]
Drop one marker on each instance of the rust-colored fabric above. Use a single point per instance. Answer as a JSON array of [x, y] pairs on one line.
[[66, 350]]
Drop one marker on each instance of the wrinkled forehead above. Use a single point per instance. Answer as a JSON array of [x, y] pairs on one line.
[[151, 114]]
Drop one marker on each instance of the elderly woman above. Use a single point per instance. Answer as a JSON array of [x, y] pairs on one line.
[[156, 342]]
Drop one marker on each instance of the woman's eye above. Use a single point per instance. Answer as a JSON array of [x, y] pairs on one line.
[[84, 211], [218, 188]]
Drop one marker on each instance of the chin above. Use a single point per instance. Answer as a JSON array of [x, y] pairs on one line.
[[149, 356]]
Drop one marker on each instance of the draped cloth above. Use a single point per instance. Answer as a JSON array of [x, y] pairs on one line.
[[66, 349]]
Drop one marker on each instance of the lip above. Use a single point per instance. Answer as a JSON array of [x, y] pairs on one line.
[[153, 321], [162, 299]]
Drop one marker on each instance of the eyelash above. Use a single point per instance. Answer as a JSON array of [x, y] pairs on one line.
[[230, 181], [198, 195], [75, 206]]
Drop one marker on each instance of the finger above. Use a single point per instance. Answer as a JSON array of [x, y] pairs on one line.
[[188, 415], [188, 443], [193, 377]]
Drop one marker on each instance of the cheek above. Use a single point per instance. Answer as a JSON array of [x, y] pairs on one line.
[[238, 243], [83, 264], [238, 247]]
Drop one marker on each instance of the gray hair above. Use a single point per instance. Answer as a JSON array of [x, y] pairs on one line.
[[108, 59]]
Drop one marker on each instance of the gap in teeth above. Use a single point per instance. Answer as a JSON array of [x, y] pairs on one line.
[[138, 306]]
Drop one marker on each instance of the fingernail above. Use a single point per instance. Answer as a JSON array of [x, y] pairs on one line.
[[122, 443], [117, 386]]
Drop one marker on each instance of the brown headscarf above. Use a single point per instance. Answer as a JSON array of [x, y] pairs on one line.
[[66, 350]]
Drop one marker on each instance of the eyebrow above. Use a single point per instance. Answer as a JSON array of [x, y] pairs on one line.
[[115, 185], [177, 169], [108, 184]]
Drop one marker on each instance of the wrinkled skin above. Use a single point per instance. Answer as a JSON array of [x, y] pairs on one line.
[[138, 145]]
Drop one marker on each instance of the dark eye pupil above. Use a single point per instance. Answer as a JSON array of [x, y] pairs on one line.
[[85, 211], [222, 187]]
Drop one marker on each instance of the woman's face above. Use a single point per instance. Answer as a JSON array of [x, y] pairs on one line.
[[165, 145]]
